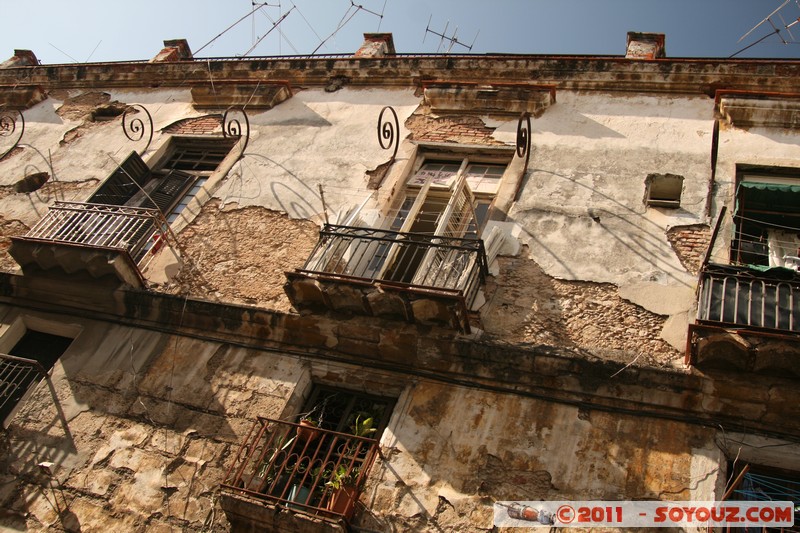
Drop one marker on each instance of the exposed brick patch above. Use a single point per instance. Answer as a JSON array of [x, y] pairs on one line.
[[454, 129], [82, 107], [690, 244], [205, 125]]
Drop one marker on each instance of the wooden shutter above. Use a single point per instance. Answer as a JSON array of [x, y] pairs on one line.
[[169, 191], [123, 183]]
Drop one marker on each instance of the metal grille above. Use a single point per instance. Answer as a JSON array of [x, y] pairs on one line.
[[295, 465], [17, 375], [749, 299], [100, 226], [383, 255]]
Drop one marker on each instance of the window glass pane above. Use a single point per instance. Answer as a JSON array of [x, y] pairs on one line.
[[484, 178], [440, 174]]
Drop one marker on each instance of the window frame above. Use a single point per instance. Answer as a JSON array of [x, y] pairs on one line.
[[744, 226], [14, 334]]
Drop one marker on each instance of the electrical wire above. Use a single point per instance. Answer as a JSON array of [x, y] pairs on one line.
[[283, 17], [341, 25], [227, 29]]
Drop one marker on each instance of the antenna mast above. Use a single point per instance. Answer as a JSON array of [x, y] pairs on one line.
[[782, 26], [453, 39]]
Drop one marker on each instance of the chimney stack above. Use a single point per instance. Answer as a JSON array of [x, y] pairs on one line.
[[645, 46], [376, 45], [21, 58], [174, 50]]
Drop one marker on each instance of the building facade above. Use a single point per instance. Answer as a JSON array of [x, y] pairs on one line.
[[383, 292]]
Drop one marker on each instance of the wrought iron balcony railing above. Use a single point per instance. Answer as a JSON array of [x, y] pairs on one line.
[[413, 259], [302, 467], [17, 375], [120, 228], [745, 297]]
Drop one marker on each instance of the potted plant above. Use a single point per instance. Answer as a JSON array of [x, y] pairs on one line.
[[344, 491], [307, 432]]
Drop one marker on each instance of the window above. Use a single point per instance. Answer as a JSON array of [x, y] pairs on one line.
[[663, 190], [172, 183], [443, 198], [754, 483], [339, 410], [36, 352], [767, 218]]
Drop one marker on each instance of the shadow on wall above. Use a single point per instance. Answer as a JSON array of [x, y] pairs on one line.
[[644, 240], [286, 193], [565, 121], [484, 447]]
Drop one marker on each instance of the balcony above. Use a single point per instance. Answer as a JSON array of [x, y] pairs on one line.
[[414, 277], [748, 310], [286, 472], [743, 297], [96, 239]]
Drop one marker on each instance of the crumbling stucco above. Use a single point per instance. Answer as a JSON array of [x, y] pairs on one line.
[[464, 129], [525, 305], [241, 254]]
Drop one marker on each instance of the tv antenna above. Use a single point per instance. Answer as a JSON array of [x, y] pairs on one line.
[[453, 39], [777, 28]]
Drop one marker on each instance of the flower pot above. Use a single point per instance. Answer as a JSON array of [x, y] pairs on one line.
[[343, 501], [307, 431]]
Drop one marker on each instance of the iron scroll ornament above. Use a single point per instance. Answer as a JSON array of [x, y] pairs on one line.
[[389, 132], [8, 125], [231, 127], [134, 130], [524, 138]]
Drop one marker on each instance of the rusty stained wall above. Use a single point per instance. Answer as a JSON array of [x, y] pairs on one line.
[[141, 427], [452, 452], [144, 426]]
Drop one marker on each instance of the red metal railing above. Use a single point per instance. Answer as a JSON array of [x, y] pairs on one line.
[[302, 467]]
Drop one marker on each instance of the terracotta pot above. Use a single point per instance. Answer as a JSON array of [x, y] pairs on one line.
[[343, 501], [307, 431]]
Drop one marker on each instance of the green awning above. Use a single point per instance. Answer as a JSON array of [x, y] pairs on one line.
[[771, 203]]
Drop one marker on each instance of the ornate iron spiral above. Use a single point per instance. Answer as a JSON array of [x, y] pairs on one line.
[[389, 132], [231, 127], [524, 137], [8, 125], [134, 130]]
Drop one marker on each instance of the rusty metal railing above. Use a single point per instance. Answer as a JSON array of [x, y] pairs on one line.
[[17, 375], [302, 467], [414, 259], [113, 227], [744, 297]]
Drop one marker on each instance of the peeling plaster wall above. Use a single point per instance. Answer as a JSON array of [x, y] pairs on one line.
[[315, 138], [142, 426], [237, 255], [453, 451]]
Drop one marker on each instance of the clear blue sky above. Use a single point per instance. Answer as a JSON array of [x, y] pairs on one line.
[[76, 31]]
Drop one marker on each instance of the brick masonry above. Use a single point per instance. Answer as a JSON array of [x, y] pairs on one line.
[[453, 129], [205, 125], [690, 244]]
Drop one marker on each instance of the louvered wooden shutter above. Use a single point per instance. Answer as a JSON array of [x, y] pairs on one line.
[[169, 191], [123, 183]]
